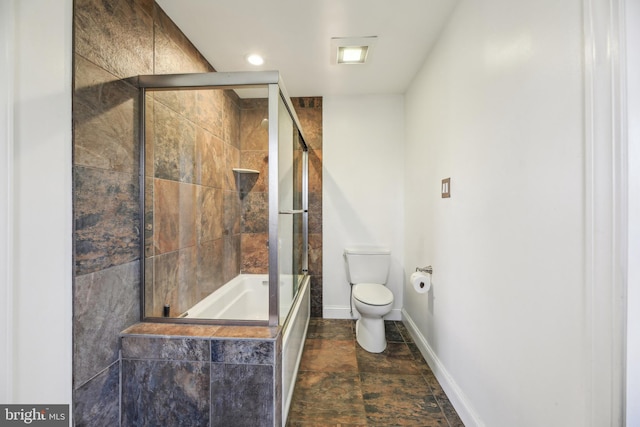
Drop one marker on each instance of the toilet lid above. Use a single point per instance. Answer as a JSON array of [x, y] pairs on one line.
[[372, 294]]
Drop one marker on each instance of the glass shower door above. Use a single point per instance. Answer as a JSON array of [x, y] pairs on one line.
[[292, 239]]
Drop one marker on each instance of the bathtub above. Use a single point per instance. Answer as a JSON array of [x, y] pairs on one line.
[[245, 297]]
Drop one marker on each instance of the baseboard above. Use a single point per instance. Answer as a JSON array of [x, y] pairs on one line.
[[396, 314], [457, 398], [336, 312], [339, 312]]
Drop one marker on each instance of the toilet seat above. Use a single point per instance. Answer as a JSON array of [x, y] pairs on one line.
[[372, 294]]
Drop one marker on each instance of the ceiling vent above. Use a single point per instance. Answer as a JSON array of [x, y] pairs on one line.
[[352, 50]]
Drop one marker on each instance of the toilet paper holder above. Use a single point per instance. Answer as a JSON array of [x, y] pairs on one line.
[[427, 269]]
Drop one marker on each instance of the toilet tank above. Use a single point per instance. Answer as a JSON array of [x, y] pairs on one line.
[[367, 265]]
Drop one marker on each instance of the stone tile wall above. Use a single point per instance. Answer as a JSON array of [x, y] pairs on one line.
[[202, 379], [192, 216], [204, 224], [255, 188], [114, 40], [309, 111], [254, 155]]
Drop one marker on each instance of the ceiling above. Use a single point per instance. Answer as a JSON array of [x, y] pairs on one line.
[[294, 37]]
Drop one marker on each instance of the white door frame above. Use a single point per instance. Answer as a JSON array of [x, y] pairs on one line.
[[6, 197], [36, 201], [605, 210], [632, 34]]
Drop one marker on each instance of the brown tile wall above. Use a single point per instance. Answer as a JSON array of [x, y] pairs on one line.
[[193, 208], [254, 150], [200, 377], [254, 154], [216, 220], [115, 40], [309, 111]]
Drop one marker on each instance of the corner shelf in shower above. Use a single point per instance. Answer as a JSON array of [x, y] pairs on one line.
[[241, 170]]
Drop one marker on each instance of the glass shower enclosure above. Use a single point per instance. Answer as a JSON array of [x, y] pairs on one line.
[[223, 195]]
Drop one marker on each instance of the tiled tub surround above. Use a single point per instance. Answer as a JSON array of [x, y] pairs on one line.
[[309, 111], [199, 376], [212, 375], [204, 224], [114, 41]]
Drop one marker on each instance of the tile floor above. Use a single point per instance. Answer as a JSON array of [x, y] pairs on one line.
[[340, 384]]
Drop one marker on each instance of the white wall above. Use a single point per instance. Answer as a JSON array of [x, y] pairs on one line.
[[633, 279], [362, 190], [6, 136], [498, 108], [36, 106]]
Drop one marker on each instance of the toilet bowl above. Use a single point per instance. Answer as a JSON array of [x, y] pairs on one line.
[[367, 271], [372, 301]]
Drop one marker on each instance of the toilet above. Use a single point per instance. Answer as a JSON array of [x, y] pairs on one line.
[[367, 272]]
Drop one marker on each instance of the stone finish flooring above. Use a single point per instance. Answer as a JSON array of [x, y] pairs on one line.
[[340, 384]]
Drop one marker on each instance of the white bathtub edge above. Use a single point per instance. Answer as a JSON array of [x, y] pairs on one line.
[[304, 299]]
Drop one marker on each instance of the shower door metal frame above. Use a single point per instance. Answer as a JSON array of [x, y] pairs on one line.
[[232, 80]]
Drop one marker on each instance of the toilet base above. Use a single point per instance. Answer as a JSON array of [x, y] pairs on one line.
[[370, 334]]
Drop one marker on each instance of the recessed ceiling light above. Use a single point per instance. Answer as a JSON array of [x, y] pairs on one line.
[[352, 50], [352, 54], [255, 59]]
